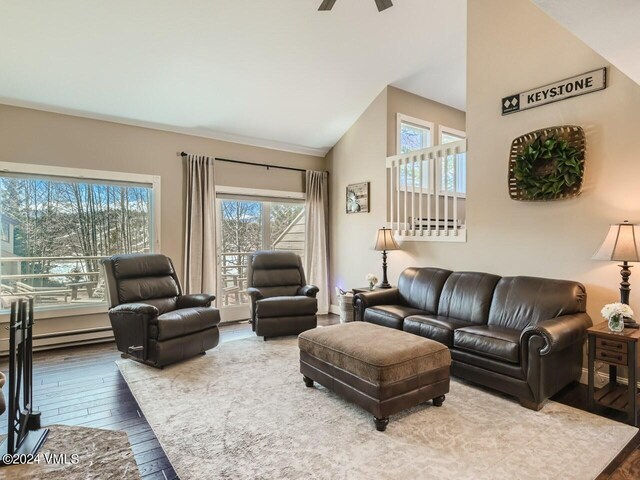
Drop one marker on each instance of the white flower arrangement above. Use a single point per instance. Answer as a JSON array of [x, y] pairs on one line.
[[616, 309], [371, 278]]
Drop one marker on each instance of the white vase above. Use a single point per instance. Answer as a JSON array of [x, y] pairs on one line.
[[616, 323]]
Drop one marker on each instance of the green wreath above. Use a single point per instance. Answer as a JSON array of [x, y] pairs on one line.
[[547, 169]]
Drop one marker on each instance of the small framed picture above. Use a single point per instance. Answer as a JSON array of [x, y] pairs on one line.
[[358, 198]]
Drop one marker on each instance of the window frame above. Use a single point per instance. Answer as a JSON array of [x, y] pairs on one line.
[[231, 313], [420, 123], [442, 129], [417, 122], [88, 175]]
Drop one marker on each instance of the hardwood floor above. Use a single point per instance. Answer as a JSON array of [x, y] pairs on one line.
[[82, 386]]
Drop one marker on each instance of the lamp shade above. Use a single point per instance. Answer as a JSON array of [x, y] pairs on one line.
[[385, 240], [620, 244]]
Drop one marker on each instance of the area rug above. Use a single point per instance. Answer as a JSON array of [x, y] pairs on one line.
[[101, 454], [243, 412]]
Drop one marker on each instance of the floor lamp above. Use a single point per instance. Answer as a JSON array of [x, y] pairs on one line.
[[622, 244], [384, 243]]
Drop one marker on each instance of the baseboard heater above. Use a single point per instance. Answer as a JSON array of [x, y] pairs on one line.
[[67, 333], [435, 224]]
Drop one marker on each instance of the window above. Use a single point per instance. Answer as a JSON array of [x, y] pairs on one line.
[[413, 134], [63, 222], [453, 181], [247, 224]]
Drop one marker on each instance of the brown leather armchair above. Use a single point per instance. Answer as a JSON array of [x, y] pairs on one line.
[[153, 322], [281, 301]]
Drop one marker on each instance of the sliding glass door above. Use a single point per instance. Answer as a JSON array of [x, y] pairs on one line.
[[247, 224]]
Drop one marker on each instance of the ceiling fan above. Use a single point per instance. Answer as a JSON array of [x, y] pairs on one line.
[[381, 4]]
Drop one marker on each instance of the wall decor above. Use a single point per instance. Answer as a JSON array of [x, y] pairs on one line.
[[554, 92], [358, 197], [547, 164]]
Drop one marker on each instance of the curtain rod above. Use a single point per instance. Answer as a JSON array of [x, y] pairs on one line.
[[241, 162]]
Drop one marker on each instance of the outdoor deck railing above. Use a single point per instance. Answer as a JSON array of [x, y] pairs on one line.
[[51, 280], [78, 279]]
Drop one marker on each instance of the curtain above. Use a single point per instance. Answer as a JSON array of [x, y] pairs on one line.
[[317, 236], [200, 227]]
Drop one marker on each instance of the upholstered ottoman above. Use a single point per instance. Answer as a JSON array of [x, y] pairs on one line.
[[380, 369]]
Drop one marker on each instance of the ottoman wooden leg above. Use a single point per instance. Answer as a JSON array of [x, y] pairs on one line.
[[307, 381], [381, 423], [437, 402]]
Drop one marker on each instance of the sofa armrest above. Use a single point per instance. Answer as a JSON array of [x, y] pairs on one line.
[[558, 333], [364, 300], [138, 308], [255, 294], [195, 300], [308, 291]]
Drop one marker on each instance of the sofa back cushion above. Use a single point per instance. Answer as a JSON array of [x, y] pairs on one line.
[[421, 287], [467, 296], [521, 301]]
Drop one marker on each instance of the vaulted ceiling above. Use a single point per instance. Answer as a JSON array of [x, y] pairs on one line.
[[611, 28], [275, 72]]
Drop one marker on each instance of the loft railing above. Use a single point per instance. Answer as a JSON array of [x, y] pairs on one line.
[[426, 193]]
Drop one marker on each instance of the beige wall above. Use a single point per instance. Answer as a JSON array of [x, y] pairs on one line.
[[551, 239], [30, 136], [360, 156], [399, 101]]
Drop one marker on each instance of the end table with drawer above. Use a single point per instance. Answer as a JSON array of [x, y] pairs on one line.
[[616, 350]]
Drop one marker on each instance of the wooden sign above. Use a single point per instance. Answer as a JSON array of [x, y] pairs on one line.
[[554, 92]]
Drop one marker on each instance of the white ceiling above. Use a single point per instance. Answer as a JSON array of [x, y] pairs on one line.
[[271, 72], [611, 28]]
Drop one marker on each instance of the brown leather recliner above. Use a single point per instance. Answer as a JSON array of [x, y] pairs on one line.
[[281, 301], [521, 335], [153, 322]]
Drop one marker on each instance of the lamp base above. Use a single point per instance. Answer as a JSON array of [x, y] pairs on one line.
[[384, 285], [631, 324]]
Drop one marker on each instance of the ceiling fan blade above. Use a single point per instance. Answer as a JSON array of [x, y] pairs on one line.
[[327, 5], [383, 4]]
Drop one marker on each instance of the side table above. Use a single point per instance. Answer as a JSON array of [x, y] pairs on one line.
[[614, 349]]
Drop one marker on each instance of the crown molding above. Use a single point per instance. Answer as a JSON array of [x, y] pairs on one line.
[[193, 132]]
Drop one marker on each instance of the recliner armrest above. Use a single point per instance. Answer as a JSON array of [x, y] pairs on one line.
[[558, 333], [308, 291], [254, 293], [195, 300], [139, 308]]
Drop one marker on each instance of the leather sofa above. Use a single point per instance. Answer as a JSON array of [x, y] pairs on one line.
[[521, 335], [153, 321], [281, 301]]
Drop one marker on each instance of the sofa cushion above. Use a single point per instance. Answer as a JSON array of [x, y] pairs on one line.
[[378, 355], [421, 288], [491, 341], [286, 306], [183, 322], [467, 296], [522, 301], [390, 315], [433, 327]]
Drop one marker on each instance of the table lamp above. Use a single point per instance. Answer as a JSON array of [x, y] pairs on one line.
[[384, 243], [622, 244]]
